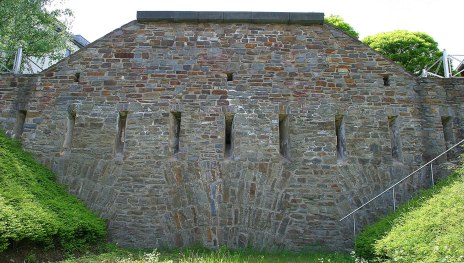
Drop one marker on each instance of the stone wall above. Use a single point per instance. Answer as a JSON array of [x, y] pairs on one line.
[[105, 120]]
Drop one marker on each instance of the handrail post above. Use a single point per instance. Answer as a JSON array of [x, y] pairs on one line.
[[17, 60], [404, 178], [431, 170], [446, 64], [354, 228], [424, 73], [394, 201]]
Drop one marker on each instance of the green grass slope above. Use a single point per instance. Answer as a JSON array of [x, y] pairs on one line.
[[424, 227], [364, 246], [199, 254], [434, 232], [35, 209]]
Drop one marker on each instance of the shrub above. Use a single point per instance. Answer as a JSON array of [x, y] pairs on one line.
[[33, 207]]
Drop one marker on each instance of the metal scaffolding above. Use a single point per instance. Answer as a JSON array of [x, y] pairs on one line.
[[446, 62]]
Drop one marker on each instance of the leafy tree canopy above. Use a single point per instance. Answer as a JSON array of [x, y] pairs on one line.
[[35, 26], [337, 21], [413, 50]]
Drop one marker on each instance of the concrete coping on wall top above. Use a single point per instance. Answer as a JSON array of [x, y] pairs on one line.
[[231, 17]]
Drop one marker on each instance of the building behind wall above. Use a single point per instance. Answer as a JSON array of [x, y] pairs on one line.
[[231, 128]]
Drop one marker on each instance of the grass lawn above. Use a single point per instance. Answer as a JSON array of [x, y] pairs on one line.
[[110, 253]]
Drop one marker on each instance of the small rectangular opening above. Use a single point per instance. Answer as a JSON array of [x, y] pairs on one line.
[[19, 125], [283, 135], [175, 122], [341, 139], [230, 76], [396, 151], [121, 139], [386, 80], [229, 135], [448, 134], [70, 122], [77, 77]]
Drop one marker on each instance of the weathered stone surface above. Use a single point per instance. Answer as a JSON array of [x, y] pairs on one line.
[[231, 17], [173, 187]]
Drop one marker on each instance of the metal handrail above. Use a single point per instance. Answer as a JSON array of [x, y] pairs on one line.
[[2, 65], [21, 61], [28, 61], [17, 60], [389, 188]]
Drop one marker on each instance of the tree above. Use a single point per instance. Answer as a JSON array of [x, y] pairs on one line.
[[34, 26], [413, 50], [337, 21]]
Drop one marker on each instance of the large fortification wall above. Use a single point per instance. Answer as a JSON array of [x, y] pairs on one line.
[[228, 133]]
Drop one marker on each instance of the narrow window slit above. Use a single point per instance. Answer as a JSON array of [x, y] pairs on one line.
[[396, 151], [19, 126], [341, 139], [68, 136], [175, 122], [283, 135], [121, 139], [230, 76], [448, 135], [229, 135]]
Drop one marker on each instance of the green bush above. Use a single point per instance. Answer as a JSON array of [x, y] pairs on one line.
[[34, 208], [433, 232], [366, 240]]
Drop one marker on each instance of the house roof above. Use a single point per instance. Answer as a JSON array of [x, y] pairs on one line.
[[80, 41]]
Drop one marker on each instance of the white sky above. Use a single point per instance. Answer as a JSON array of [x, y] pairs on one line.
[[441, 19]]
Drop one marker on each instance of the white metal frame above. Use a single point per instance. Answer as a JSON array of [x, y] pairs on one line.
[[446, 60], [20, 61]]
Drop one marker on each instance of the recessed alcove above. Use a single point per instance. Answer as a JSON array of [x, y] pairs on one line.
[[68, 136], [396, 151], [341, 139], [229, 135], [121, 137], [283, 135], [19, 125], [174, 131]]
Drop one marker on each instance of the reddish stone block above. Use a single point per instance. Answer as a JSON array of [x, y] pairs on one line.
[[219, 92], [49, 74], [96, 73], [330, 51], [248, 45], [299, 93], [124, 55]]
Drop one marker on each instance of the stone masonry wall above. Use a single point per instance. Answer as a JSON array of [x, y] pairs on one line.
[[154, 193]]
